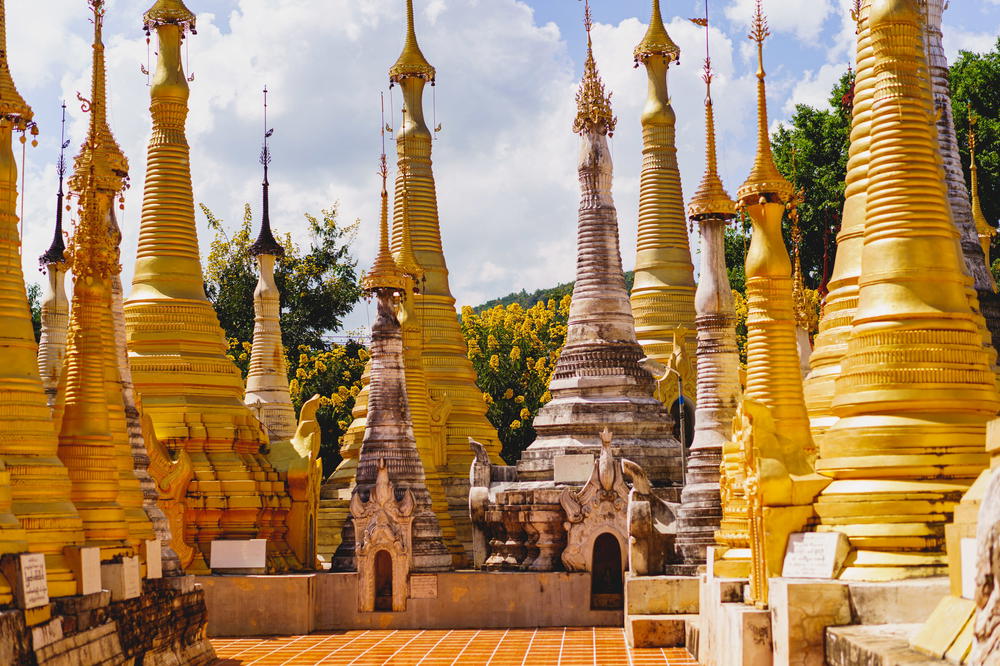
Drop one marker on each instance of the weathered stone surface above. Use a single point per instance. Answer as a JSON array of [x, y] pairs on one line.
[[875, 645], [663, 595], [648, 631], [896, 602], [800, 613], [987, 592]]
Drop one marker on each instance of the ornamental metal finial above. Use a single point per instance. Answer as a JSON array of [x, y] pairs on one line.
[[593, 104], [657, 42], [266, 243], [13, 108], [411, 62], [56, 252]]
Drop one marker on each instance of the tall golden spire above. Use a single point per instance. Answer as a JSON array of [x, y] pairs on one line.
[[916, 388], [662, 296], [773, 444], [192, 392], [384, 273], [984, 229], [764, 180], [593, 104], [40, 485], [411, 61]]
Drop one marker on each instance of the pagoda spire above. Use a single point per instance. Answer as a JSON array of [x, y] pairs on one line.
[[390, 447], [700, 513], [916, 383], [599, 378], [93, 439], [39, 482], [267, 380], [445, 404], [212, 424], [55, 305], [984, 230], [773, 402], [664, 289]]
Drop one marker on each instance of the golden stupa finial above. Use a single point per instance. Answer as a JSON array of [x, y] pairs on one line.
[[411, 62], [764, 181], [405, 259], [711, 199], [169, 11], [13, 108], [384, 274], [101, 159], [657, 42], [984, 229], [593, 104]]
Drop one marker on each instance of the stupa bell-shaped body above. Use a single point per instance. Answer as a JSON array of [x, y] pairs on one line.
[[192, 392], [916, 388], [39, 483], [598, 379], [663, 292], [55, 310]]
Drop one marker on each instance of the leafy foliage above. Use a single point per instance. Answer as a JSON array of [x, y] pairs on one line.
[[514, 352], [35, 304], [528, 299]]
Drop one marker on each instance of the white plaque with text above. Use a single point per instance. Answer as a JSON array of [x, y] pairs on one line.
[[815, 555], [423, 586], [33, 586]]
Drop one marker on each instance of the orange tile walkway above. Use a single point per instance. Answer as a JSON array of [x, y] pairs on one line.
[[500, 647]]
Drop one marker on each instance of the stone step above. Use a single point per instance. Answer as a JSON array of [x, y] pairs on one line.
[[656, 631], [661, 595], [875, 645]]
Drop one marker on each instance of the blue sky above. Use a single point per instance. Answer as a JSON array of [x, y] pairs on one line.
[[507, 71]]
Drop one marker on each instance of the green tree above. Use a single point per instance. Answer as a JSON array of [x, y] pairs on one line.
[[319, 285], [35, 303]]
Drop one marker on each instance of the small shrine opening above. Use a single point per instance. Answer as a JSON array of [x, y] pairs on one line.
[[383, 581], [675, 414], [607, 584]]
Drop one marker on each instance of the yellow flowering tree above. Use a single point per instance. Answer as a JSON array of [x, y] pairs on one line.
[[514, 351]]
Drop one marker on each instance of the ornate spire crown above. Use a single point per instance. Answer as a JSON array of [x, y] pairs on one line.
[[165, 12], [657, 42], [593, 104], [56, 252], [100, 158], [764, 180], [711, 201], [411, 62], [266, 243]]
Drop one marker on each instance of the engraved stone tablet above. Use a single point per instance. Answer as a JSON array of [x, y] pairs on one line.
[[815, 555], [572, 468], [32, 585], [122, 579], [154, 558], [232, 554], [423, 586]]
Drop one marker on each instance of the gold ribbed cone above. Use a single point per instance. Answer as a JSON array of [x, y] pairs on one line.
[[711, 198], [916, 386], [39, 483], [411, 61], [656, 41]]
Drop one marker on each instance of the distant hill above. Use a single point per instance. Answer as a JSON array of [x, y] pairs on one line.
[[526, 299]]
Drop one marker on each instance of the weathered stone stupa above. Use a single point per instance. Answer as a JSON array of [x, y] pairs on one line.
[[389, 442], [916, 388], [664, 291], [598, 380], [39, 481], [267, 379], [446, 407], [192, 392], [718, 357], [55, 304]]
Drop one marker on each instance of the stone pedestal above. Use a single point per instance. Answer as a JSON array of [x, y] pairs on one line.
[[801, 610]]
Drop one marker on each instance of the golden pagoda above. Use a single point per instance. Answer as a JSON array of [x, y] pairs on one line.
[[96, 448], [39, 482], [445, 405], [177, 350], [984, 230], [771, 454], [916, 386], [663, 293]]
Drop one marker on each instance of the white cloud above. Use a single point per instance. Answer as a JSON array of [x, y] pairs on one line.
[[958, 39], [785, 16], [814, 88]]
